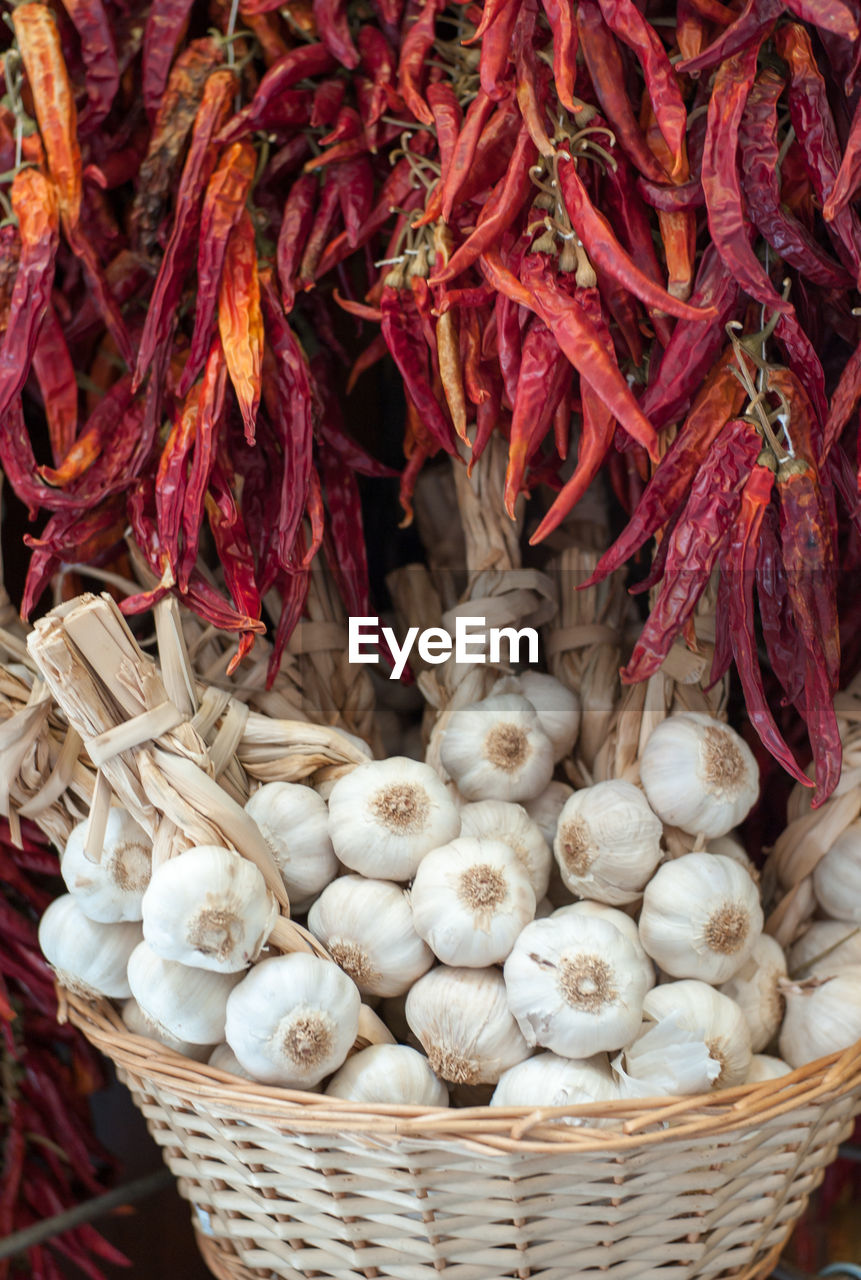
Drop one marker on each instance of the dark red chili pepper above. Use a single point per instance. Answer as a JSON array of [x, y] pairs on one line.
[[749, 28], [844, 401], [761, 178], [328, 100], [166, 25], [328, 207], [608, 76], [234, 553], [35, 205], [355, 183], [849, 174], [223, 204], [347, 126], [55, 374], [447, 122], [170, 483], [379, 61], [401, 329], [397, 191], [560, 15], [684, 198], [70, 536], [293, 236], [302, 63], [477, 383], [695, 543], [828, 15], [532, 78], [330, 17], [509, 343], [629, 217], [99, 55], [414, 51], [101, 434], [373, 354], [478, 114], [293, 590], [545, 377], [713, 11], [474, 298], [803, 383], [199, 165], [496, 52], [191, 495]]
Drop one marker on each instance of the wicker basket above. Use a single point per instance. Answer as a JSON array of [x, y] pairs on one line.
[[295, 1186]]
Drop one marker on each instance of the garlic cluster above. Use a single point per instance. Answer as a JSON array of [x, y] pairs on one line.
[[497, 750], [822, 1016], [699, 774], [608, 842], [510, 823], [462, 1020], [88, 956], [294, 822], [550, 1081], [111, 889], [756, 989], [715, 1019], [388, 1073], [837, 877]]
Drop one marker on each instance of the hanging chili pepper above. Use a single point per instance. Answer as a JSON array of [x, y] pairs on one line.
[[293, 590], [70, 536], [828, 15], [190, 497], [561, 16], [355, 184], [100, 60], [55, 375], [844, 401], [234, 553], [749, 28], [330, 18], [415, 47], [478, 113], [292, 238], [35, 205], [170, 482], [532, 78], [240, 323], [802, 384], [544, 378], [166, 25], [402, 332], [448, 344], [629, 217], [808, 559], [302, 63], [849, 174]]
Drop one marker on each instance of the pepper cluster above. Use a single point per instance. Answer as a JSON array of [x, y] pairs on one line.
[[50, 1157], [629, 227]]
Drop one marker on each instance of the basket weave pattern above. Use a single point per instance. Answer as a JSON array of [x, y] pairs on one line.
[[297, 1186]]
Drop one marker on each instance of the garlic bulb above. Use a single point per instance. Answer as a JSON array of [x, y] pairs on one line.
[[701, 917], [208, 907], [764, 1067], [732, 848], [510, 823], [545, 809], [225, 1059], [293, 1019], [109, 890], [576, 985], [756, 990], [828, 945], [294, 822], [699, 774], [837, 877], [367, 926], [821, 1019], [625, 924], [608, 842], [88, 956], [497, 750], [180, 1001], [558, 709], [461, 1019], [550, 1081], [697, 1007], [140, 1025], [387, 814], [666, 1058], [388, 1074], [470, 900]]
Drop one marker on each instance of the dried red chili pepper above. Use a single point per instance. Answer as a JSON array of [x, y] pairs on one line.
[[447, 122], [293, 236], [302, 63], [415, 47], [166, 25], [532, 78], [55, 374], [355, 183], [478, 113], [694, 544], [330, 18], [240, 322], [544, 378], [35, 204], [448, 344], [53, 100], [828, 15], [191, 494], [99, 55], [844, 401], [508, 343], [749, 28], [325, 215], [402, 331], [170, 482], [223, 204], [234, 553], [561, 16], [102, 428], [803, 384], [849, 174]]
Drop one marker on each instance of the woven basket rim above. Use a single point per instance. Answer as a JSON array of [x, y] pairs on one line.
[[638, 1121]]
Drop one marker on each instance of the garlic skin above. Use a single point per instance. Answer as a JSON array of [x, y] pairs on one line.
[[701, 917], [294, 822], [608, 842], [110, 890], [180, 1001], [557, 707], [496, 750], [391, 1074], [225, 1059], [827, 945], [715, 1018], [576, 985], [699, 774], [763, 1067], [293, 1019], [368, 928], [732, 848], [386, 815], [823, 1019], [470, 900], [88, 956], [666, 1059], [550, 1081], [545, 809], [837, 877], [209, 908], [510, 823], [140, 1025], [624, 923], [756, 990], [461, 1019]]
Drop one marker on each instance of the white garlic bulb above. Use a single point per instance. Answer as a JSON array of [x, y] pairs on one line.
[[367, 927], [388, 1074], [293, 1019], [764, 1067], [184, 1002], [208, 907], [827, 945], [470, 900], [699, 774], [701, 917], [294, 822], [111, 889], [624, 923], [715, 1018], [666, 1058], [821, 1019], [461, 1019], [496, 750], [732, 848], [576, 985], [510, 823], [557, 706], [225, 1059], [545, 809], [386, 815], [550, 1081], [88, 956], [140, 1025], [837, 877], [756, 990], [608, 842]]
